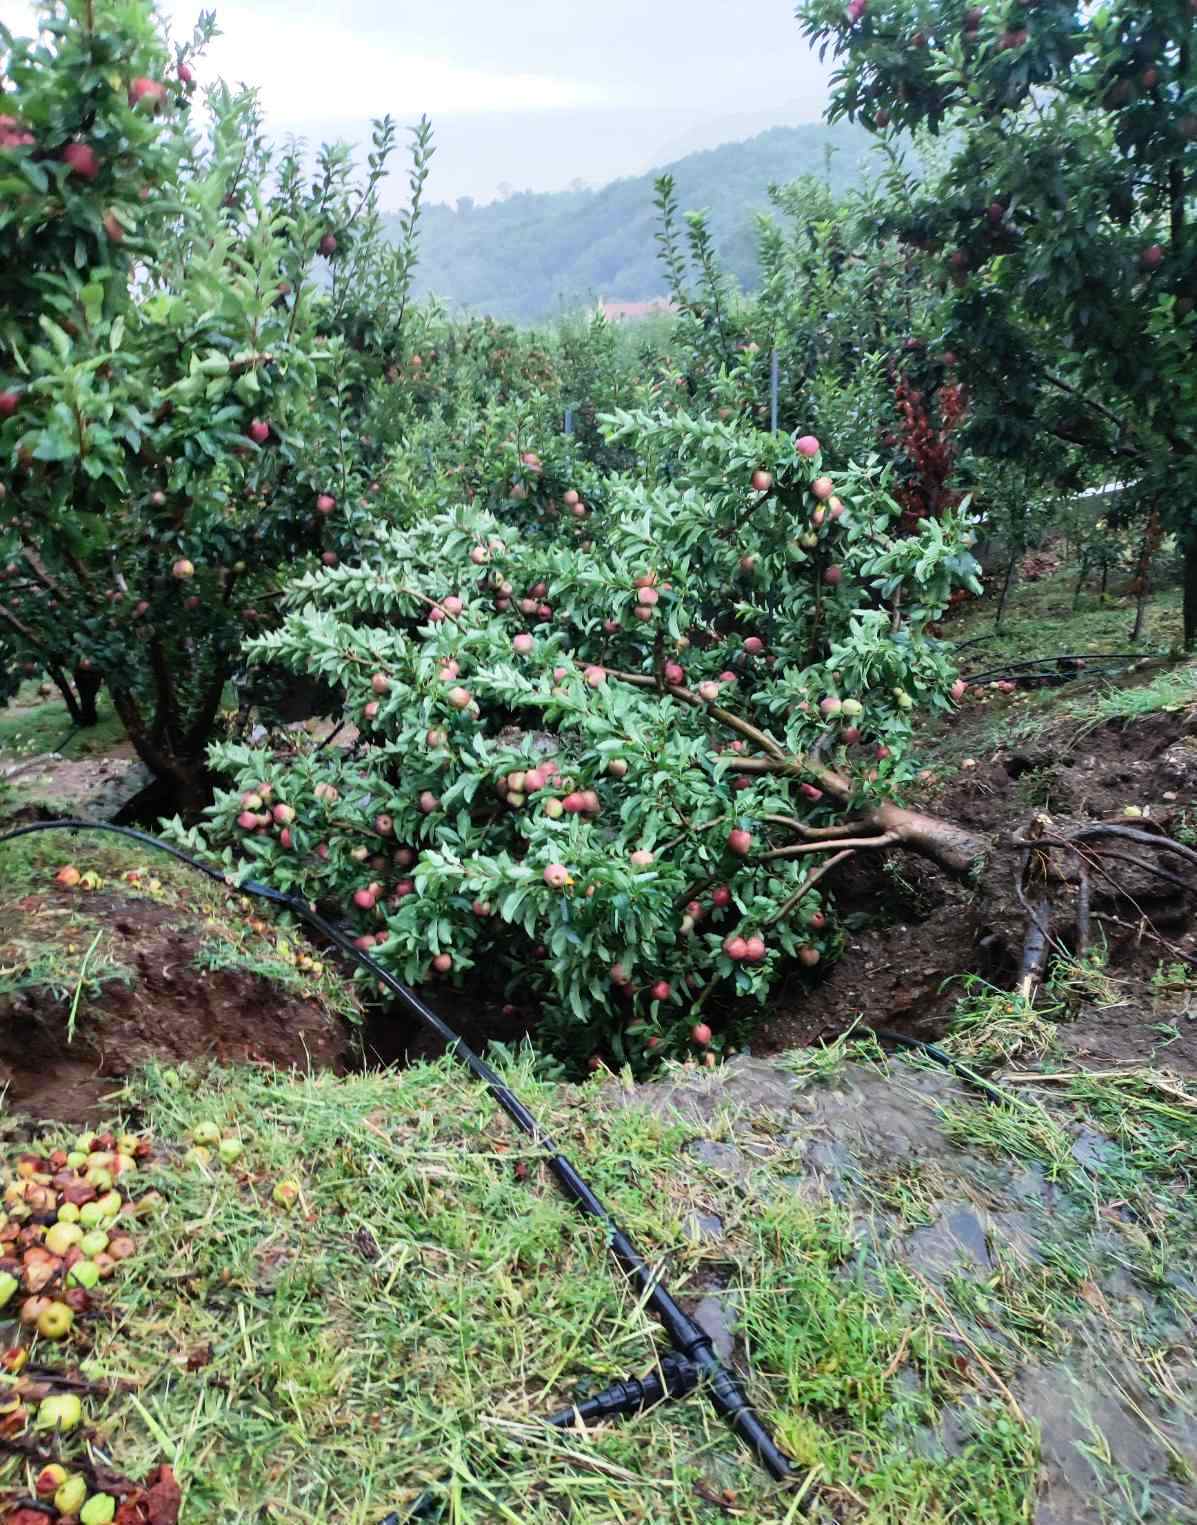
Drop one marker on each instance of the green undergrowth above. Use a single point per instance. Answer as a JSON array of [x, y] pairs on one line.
[[33, 724], [1040, 621], [397, 1334]]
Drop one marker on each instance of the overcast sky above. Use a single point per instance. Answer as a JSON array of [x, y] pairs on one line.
[[530, 93]]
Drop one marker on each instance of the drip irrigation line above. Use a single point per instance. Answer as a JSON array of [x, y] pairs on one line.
[[689, 1341], [1086, 658], [946, 1061]]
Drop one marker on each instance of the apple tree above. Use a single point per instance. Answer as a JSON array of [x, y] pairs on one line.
[[612, 771], [163, 330], [1060, 225]]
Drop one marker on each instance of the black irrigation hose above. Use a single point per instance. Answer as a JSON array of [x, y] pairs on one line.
[[941, 1057], [686, 1337], [1075, 658]]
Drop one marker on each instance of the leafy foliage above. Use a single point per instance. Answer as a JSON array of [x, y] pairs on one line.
[[164, 336], [566, 722], [1061, 223]]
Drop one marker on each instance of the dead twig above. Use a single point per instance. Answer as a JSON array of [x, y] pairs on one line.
[[1082, 914]]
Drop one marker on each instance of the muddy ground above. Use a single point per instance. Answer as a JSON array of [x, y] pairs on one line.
[[97, 981], [913, 930], [1062, 1297]]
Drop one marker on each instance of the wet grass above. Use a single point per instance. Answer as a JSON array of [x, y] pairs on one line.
[[397, 1335], [33, 724]]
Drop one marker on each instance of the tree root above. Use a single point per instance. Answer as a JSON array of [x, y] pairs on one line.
[[1037, 844]]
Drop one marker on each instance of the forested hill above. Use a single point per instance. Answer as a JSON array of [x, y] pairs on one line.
[[532, 255]]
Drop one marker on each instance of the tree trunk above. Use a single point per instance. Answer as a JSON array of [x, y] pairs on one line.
[[181, 784], [63, 684], [951, 846], [87, 685], [1001, 608], [1151, 535], [1080, 582], [183, 791], [1191, 592]]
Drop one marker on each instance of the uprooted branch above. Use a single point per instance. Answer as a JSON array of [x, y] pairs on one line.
[[952, 847]]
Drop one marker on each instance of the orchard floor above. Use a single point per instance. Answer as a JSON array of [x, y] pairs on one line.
[[949, 1309], [946, 1309]]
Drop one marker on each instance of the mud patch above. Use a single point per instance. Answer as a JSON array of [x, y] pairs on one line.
[[152, 996], [93, 789], [1041, 1278], [911, 931]]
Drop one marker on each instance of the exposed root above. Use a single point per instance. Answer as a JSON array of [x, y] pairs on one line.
[[1038, 843]]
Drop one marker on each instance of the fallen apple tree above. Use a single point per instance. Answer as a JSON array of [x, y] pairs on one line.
[[609, 756]]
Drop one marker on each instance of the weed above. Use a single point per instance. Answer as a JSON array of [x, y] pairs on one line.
[[993, 1024]]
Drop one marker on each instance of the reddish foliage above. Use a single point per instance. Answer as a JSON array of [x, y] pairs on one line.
[[928, 421]]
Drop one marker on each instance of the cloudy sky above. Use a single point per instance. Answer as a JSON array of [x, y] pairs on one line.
[[528, 94]]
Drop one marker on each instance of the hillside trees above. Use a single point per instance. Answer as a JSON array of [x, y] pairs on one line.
[[1061, 227], [607, 759]]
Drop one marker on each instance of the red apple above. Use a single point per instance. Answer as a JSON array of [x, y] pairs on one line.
[[556, 876], [833, 576], [739, 842], [807, 445], [9, 403], [661, 991], [259, 431], [701, 1034], [823, 488], [182, 569], [721, 896], [328, 245], [762, 481], [82, 160], [146, 93]]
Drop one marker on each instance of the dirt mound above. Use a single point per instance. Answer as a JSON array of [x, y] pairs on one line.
[[95, 983], [911, 930]]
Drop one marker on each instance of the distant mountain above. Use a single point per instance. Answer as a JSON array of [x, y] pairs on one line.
[[532, 255]]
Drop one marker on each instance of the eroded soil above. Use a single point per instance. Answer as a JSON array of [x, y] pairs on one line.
[[153, 990], [912, 931]]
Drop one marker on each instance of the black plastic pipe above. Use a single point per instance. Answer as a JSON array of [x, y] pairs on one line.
[[686, 1337]]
